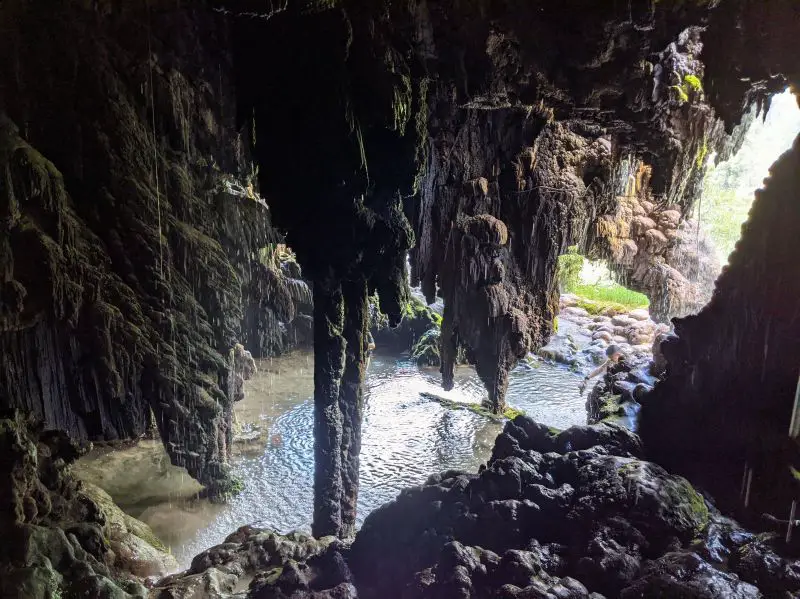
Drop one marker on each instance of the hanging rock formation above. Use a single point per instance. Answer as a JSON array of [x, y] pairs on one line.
[[129, 230], [335, 132], [530, 127]]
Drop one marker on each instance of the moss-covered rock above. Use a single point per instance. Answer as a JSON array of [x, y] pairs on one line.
[[136, 549], [59, 540]]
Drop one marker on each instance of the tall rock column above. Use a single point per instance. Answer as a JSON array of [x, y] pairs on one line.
[[351, 397], [341, 317], [329, 348]]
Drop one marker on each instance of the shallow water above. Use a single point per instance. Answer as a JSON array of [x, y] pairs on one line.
[[405, 439]]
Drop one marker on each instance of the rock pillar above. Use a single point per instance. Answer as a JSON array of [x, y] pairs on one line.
[[351, 398], [340, 328], [329, 348]]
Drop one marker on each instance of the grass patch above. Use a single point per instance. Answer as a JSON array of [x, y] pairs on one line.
[[598, 297]]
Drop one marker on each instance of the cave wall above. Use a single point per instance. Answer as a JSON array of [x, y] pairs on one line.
[[725, 407], [732, 371], [654, 249], [130, 227]]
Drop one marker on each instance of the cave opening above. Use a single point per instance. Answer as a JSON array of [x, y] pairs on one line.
[[731, 181]]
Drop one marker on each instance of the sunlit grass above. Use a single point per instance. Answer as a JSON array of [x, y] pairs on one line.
[[611, 295]]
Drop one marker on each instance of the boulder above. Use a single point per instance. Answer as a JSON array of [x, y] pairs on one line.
[[641, 224], [655, 241], [567, 300], [687, 575], [604, 335], [622, 320], [669, 219], [575, 311], [639, 314]]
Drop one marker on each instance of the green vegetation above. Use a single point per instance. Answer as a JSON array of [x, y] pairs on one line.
[[684, 97], [596, 298], [426, 350], [568, 269], [702, 154], [694, 82], [414, 309], [512, 413], [481, 409]]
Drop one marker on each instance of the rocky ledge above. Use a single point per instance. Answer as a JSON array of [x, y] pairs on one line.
[[572, 514]]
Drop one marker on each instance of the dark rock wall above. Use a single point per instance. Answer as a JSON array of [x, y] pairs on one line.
[[130, 229], [733, 370]]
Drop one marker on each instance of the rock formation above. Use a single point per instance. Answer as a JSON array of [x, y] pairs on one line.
[[60, 536], [553, 514], [655, 250], [732, 372], [133, 250], [527, 130], [136, 251], [335, 129]]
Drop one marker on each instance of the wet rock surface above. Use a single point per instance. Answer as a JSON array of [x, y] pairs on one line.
[[134, 247], [271, 565], [726, 403], [60, 536], [583, 334], [554, 514]]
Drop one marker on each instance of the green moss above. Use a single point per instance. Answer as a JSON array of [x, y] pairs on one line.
[[426, 350], [682, 94], [701, 155], [480, 409], [512, 413], [227, 488], [683, 493], [273, 575], [609, 406], [693, 81]]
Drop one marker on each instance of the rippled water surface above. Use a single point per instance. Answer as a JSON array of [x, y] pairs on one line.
[[405, 438]]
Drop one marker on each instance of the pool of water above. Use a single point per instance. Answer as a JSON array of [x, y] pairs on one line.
[[406, 437]]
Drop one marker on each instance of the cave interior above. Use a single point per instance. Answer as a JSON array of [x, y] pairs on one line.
[[156, 157]]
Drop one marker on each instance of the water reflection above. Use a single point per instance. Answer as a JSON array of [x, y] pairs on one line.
[[406, 438]]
